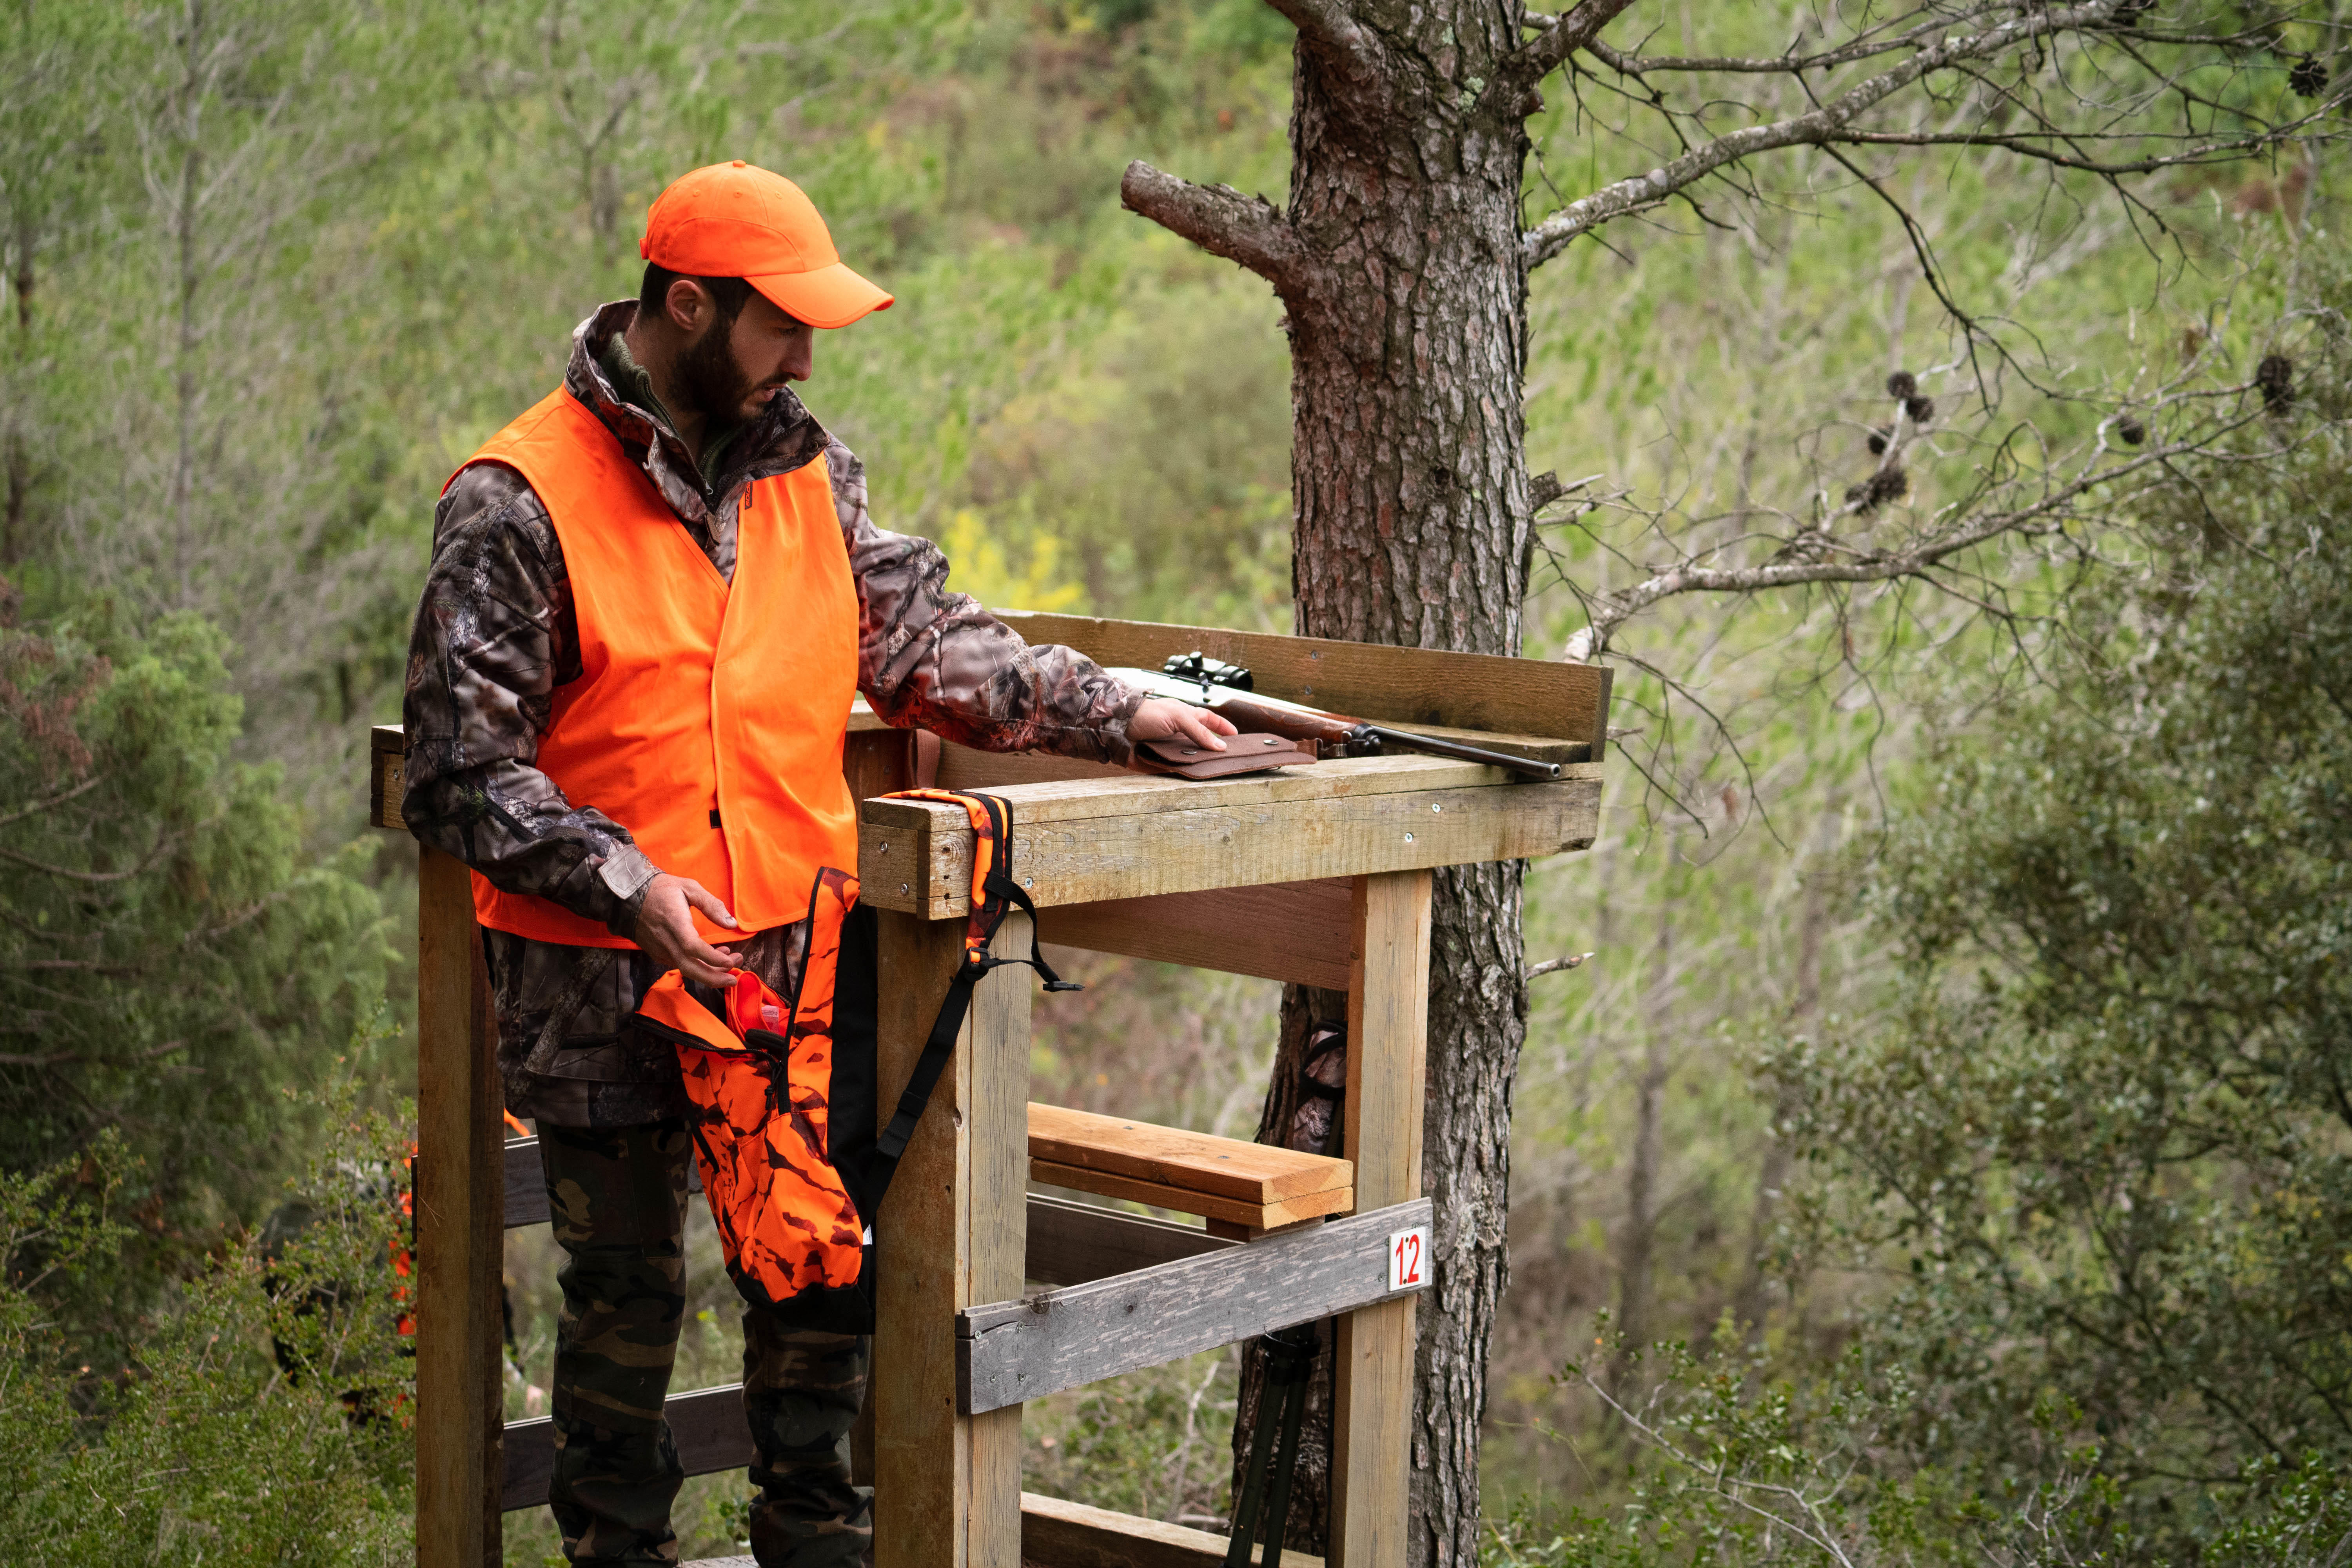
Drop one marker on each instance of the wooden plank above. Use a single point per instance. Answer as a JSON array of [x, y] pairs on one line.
[[1256, 1173], [1410, 814], [870, 767], [995, 1092], [968, 767], [946, 1488], [878, 762], [526, 1183], [1476, 692], [1295, 932], [1017, 1350], [1388, 1030], [460, 1241], [387, 746], [1056, 1533], [1071, 1243], [1184, 1200], [708, 1426], [1124, 793]]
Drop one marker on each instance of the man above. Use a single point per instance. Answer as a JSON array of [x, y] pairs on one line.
[[650, 599]]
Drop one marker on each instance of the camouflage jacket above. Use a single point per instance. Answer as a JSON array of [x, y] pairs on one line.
[[497, 633]]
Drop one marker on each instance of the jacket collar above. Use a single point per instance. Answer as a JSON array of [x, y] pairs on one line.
[[785, 438]]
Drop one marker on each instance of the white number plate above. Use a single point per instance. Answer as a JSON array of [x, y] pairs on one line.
[[1409, 1259]]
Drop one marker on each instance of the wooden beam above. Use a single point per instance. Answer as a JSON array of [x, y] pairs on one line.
[[946, 1488], [1295, 932], [1388, 1032], [1095, 840], [526, 1183], [1059, 1534], [459, 1205], [387, 747], [1184, 1200], [1012, 1350], [1071, 1243], [1255, 1174], [708, 1426], [867, 764], [1469, 690]]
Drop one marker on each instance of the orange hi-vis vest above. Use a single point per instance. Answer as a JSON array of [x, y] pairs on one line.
[[708, 720]]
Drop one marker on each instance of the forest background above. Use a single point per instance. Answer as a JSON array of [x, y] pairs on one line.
[[1878, 1092]]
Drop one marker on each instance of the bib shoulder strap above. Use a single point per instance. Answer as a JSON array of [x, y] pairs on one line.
[[995, 894]]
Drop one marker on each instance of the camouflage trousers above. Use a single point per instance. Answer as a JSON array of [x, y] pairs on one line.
[[619, 1199]]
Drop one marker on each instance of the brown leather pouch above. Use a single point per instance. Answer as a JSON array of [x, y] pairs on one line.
[[1243, 754]]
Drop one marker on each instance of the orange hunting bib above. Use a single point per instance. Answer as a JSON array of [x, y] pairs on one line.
[[708, 720]]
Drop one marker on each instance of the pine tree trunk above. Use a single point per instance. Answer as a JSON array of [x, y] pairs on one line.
[[1412, 528], [1399, 260]]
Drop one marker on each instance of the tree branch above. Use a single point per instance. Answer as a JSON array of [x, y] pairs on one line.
[[1609, 611], [1331, 30], [1827, 123], [1246, 230], [1542, 54], [82, 788]]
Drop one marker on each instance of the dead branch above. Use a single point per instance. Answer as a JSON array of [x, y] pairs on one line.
[[1554, 965], [1246, 230], [2105, 135], [1828, 122]]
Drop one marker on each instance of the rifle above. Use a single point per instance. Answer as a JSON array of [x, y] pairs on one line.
[[1224, 688]]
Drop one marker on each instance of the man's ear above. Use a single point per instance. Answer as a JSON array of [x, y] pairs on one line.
[[686, 304]]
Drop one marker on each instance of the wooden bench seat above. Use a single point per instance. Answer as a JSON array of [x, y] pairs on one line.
[[1238, 1187]]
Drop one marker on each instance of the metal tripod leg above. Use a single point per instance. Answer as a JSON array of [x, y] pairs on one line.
[[1289, 1362]]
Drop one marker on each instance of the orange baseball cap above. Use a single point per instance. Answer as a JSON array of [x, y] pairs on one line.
[[732, 220]]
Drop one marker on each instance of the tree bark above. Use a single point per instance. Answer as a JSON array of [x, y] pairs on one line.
[[1309, 1528], [1408, 342], [1400, 261]]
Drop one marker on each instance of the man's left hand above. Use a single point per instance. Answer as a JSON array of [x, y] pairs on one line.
[[1160, 717]]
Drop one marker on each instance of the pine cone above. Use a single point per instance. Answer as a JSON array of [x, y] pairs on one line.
[[1878, 440], [2308, 80], [1885, 486], [1921, 410], [2131, 430], [1900, 385], [2276, 377]]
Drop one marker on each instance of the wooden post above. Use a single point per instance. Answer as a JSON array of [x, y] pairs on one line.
[[460, 1229], [1388, 1034], [953, 1233]]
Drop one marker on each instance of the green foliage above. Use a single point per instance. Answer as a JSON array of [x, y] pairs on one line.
[[2102, 1139], [261, 1418], [1157, 1444], [169, 956]]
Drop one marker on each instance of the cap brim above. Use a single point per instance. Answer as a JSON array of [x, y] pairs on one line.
[[827, 297]]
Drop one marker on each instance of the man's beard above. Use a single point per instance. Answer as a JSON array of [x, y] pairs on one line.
[[709, 382]]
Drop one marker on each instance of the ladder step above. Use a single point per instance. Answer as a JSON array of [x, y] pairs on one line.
[[1251, 1185]]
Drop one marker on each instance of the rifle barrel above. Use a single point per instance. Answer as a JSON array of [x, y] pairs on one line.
[[1405, 740], [1301, 722]]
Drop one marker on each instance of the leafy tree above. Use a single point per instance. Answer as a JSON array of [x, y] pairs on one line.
[[1402, 257], [2106, 1133], [169, 958], [261, 1416]]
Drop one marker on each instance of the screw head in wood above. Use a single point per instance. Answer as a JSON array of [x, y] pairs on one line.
[[1408, 839]]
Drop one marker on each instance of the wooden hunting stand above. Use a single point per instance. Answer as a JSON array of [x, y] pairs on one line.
[[1318, 875]]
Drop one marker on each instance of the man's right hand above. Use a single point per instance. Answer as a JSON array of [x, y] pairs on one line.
[[666, 930]]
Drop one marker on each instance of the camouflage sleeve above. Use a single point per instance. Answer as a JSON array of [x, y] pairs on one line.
[[495, 635], [934, 660]]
